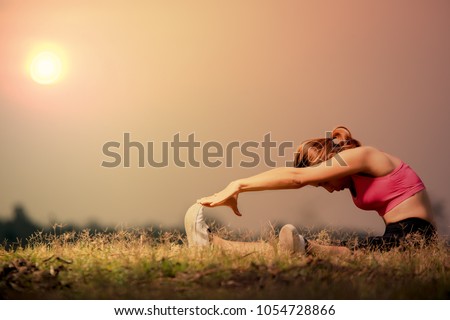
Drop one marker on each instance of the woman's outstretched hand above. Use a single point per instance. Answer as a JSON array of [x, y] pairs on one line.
[[226, 197]]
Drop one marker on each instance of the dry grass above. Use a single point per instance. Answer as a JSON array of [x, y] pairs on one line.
[[132, 264]]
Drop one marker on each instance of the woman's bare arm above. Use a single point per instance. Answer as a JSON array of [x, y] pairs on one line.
[[345, 163]]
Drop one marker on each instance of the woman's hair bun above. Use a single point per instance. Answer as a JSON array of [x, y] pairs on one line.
[[340, 134]]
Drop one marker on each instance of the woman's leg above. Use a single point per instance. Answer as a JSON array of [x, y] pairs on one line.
[[292, 241], [239, 246], [318, 249], [198, 235]]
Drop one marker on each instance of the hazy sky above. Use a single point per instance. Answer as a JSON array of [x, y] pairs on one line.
[[226, 71]]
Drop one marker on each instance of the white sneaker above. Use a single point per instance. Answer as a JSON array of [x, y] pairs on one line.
[[291, 241], [196, 229]]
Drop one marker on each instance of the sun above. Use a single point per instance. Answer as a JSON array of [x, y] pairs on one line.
[[45, 68]]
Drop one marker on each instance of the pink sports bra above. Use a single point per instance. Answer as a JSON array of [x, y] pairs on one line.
[[384, 193]]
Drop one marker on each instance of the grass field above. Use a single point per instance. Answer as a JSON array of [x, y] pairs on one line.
[[135, 265]]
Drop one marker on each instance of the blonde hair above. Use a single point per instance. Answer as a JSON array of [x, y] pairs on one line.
[[315, 151]]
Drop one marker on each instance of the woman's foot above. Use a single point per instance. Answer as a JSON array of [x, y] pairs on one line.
[[291, 241], [197, 230]]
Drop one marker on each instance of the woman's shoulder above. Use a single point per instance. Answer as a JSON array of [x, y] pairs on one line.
[[368, 151], [363, 153], [377, 162]]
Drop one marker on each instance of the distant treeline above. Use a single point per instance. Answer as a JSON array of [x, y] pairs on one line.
[[16, 232]]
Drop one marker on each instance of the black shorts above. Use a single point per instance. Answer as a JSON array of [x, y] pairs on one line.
[[395, 235]]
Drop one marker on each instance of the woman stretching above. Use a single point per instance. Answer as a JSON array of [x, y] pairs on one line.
[[376, 181]]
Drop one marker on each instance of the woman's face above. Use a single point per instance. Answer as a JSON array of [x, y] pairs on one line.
[[336, 184]]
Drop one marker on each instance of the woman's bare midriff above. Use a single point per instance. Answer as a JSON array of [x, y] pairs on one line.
[[417, 206]]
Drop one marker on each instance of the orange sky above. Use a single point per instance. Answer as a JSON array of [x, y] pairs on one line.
[[227, 71]]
